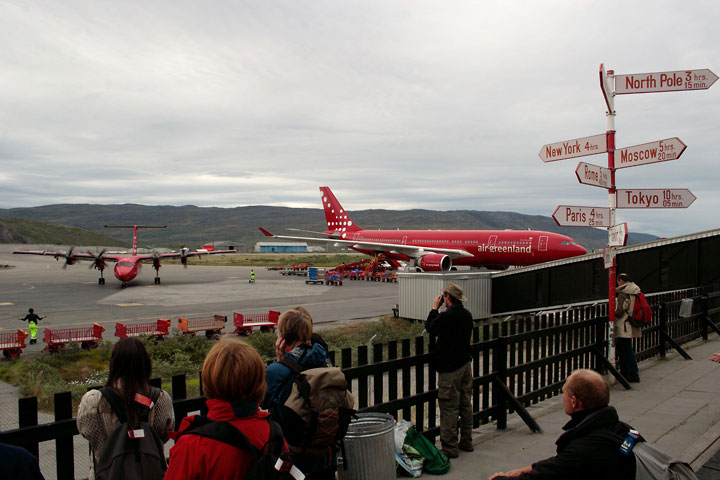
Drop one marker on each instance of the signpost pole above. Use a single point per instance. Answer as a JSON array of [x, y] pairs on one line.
[[609, 93]]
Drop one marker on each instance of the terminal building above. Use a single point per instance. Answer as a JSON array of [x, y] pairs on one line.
[[281, 247]]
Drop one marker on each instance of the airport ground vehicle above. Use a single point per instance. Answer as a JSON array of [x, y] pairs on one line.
[[316, 276], [210, 324], [244, 323], [12, 343], [157, 329], [87, 337]]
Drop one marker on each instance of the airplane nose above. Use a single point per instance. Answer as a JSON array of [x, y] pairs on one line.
[[580, 250]]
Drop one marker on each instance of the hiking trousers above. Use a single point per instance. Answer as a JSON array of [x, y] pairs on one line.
[[455, 400]]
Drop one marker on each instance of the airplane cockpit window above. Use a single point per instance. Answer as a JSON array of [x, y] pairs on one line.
[[125, 264]]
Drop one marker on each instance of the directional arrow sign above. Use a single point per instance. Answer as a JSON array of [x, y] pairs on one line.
[[653, 152], [569, 216], [664, 81], [655, 198], [618, 235], [590, 174], [579, 147]]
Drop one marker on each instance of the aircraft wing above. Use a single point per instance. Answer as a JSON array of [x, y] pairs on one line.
[[75, 256], [181, 254], [397, 248]]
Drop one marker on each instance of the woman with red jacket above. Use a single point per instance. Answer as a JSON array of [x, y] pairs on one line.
[[233, 380]]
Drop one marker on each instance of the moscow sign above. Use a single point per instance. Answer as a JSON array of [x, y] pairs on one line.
[[653, 152]]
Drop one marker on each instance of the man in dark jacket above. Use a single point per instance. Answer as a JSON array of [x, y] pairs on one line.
[[453, 331], [590, 447]]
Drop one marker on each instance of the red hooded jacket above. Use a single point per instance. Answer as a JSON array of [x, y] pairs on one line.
[[195, 457]]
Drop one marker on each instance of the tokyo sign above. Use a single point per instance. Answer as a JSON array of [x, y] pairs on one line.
[[655, 198]]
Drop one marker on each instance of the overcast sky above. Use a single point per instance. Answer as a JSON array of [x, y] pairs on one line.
[[394, 104]]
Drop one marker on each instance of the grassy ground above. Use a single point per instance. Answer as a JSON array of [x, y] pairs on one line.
[[275, 260], [76, 370]]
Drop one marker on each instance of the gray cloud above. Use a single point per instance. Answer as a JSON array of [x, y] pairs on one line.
[[394, 104]]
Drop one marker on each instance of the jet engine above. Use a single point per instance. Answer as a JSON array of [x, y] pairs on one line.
[[435, 262]]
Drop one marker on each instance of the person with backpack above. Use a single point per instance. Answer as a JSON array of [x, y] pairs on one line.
[[625, 331], [127, 422], [589, 449], [303, 367], [236, 439]]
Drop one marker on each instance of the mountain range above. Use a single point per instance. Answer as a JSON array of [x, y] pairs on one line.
[[194, 226]]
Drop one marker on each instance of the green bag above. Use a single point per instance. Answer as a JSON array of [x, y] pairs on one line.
[[436, 462]]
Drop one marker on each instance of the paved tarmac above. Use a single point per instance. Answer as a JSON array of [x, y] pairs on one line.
[[72, 297], [676, 407]]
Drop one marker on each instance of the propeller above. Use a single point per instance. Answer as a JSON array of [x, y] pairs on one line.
[[69, 259], [98, 260]]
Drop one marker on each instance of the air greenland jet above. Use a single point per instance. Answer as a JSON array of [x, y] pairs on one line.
[[439, 250]]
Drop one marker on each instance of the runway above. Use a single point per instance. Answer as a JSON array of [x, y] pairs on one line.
[[72, 297]]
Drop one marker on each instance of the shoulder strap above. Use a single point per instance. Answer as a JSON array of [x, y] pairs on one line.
[[223, 432], [291, 364], [115, 403]]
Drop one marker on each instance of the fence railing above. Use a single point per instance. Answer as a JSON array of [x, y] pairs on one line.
[[516, 362]]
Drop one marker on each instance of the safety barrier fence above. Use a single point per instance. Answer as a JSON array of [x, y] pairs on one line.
[[516, 362]]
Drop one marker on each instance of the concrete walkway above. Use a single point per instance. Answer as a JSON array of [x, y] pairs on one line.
[[676, 407]]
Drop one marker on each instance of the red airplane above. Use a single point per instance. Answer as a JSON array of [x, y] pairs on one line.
[[127, 267], [438, 250]]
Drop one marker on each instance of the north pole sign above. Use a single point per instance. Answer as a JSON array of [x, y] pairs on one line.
[[677, 81], [570, 216], [653, 152], [590, 174], [578, 147], [655, 198]]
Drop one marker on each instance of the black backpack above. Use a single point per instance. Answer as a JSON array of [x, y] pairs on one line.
[[136, 453], [272, 462]]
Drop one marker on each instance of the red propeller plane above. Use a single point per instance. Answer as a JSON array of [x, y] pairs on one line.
[[127, 267], [438, 250]]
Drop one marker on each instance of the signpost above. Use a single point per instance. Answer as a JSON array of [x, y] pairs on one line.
[[579, 147], [677, 81], [570, 216], [595, 175], [618, 235], [655, 198], [653, 152]]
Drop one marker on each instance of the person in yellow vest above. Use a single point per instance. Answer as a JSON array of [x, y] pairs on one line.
[[32, 318], [252, 276]]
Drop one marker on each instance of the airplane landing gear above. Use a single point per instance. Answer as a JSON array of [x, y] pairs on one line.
[[101, 281], [157, 280], [123, 285]]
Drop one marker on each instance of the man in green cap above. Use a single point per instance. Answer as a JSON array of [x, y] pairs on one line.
[[452, 354]]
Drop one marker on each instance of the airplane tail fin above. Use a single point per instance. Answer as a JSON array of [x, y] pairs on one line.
[[335, 215]]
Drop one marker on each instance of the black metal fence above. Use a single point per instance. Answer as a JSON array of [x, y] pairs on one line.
[[516, 362]]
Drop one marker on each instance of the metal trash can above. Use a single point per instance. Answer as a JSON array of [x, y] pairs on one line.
[[369, 449]]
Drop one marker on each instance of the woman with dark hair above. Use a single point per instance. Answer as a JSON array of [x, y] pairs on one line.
[[128, 382]]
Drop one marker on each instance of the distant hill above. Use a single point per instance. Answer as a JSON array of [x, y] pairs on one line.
[[193, 226], [15, 230]]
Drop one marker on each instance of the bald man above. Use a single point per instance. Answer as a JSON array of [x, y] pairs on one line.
[[590, 447]]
